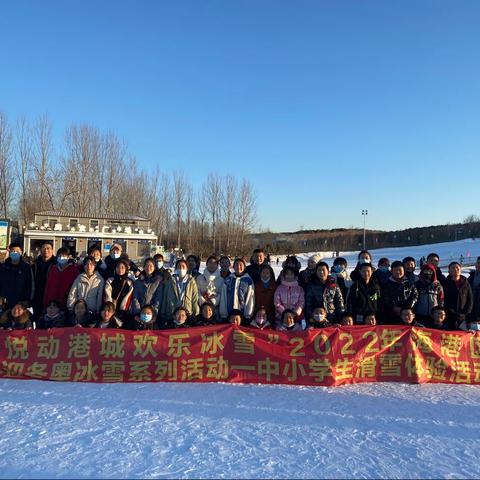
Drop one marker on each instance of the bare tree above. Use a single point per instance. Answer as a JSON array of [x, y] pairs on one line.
[[213, 192], [6, 165], [247, 210], [179, 198], [44, 176], [24, 163], [230, 198]]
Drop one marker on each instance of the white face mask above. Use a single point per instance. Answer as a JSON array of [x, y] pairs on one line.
[[115, 255], [159, 264], [181, 272], [318, 317]]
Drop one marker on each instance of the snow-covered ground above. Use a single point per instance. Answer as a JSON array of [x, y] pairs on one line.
[[50, 430]]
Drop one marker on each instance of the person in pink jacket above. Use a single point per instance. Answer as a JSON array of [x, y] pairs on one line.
[[289, 295]]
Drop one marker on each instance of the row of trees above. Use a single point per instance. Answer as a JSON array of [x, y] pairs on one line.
[[93, 172]]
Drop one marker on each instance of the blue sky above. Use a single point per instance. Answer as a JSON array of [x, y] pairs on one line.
[[328, 107]]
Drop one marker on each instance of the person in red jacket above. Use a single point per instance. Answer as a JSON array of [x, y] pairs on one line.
[[60, 279]]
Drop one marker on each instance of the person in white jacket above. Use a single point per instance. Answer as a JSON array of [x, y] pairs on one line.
[[238, 292], [210, 283], [87, 286]]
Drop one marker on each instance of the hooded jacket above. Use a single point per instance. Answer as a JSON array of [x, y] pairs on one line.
[[238, 293], [430, 293], [327, 295], [289, 295], [147, 290], [89, 289], [210, 287]]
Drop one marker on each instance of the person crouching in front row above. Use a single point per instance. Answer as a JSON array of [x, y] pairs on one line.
[[260, 320], [288, 323], [17, 318], [107, 318]]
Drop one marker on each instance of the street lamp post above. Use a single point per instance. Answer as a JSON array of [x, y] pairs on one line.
[[364, 213]]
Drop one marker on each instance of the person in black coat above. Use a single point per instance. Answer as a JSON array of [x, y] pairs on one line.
[[112, 259], [363, 257], [435, 259], [364, 295], [257, 261], [16, 279], [458, 296], [40, 270], [397, 294]]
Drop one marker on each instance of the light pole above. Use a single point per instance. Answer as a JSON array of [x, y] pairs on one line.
[[364, 213]]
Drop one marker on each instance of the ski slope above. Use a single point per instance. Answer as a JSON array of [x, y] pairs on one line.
[[447, 251], [64, 430]]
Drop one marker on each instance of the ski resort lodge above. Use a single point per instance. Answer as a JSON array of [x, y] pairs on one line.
[[78, 233]]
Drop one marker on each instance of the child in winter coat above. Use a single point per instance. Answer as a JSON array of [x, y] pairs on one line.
[[145, 320], [238, 292], [207, 315], [181, 318], [17, 318], [289, 295], [261, 321], [265, 291], [107, 318], [370, 319], [288, 323], [318, 318], [80, 316], [235, 318], [52, 318]]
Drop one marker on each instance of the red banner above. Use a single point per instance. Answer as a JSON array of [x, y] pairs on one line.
[[330, 356]]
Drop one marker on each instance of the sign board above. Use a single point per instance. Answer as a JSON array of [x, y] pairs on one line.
[[4, 234]]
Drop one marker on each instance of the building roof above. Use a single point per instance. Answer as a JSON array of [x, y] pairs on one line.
[[120, 218]]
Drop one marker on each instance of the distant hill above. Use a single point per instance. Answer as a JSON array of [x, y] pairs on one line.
[[343, 239]]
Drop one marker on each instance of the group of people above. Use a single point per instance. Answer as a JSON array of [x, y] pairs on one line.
[[113, 292]]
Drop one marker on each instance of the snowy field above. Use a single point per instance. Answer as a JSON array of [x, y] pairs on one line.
[[447, 251], [60, 430], [65, 430]]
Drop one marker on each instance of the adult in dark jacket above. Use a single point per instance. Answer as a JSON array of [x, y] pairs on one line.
[[115, 255], [430, 293], [160, 267], [382, 274], [305, 275], [474, 281], [435, 260], [16, 279], [364, 295], [40, 270], [257, 261], [323, 291], [363, 257], [397, 294], [458, 296]]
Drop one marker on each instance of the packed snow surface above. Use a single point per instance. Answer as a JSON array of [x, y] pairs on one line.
[[51, 430]]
